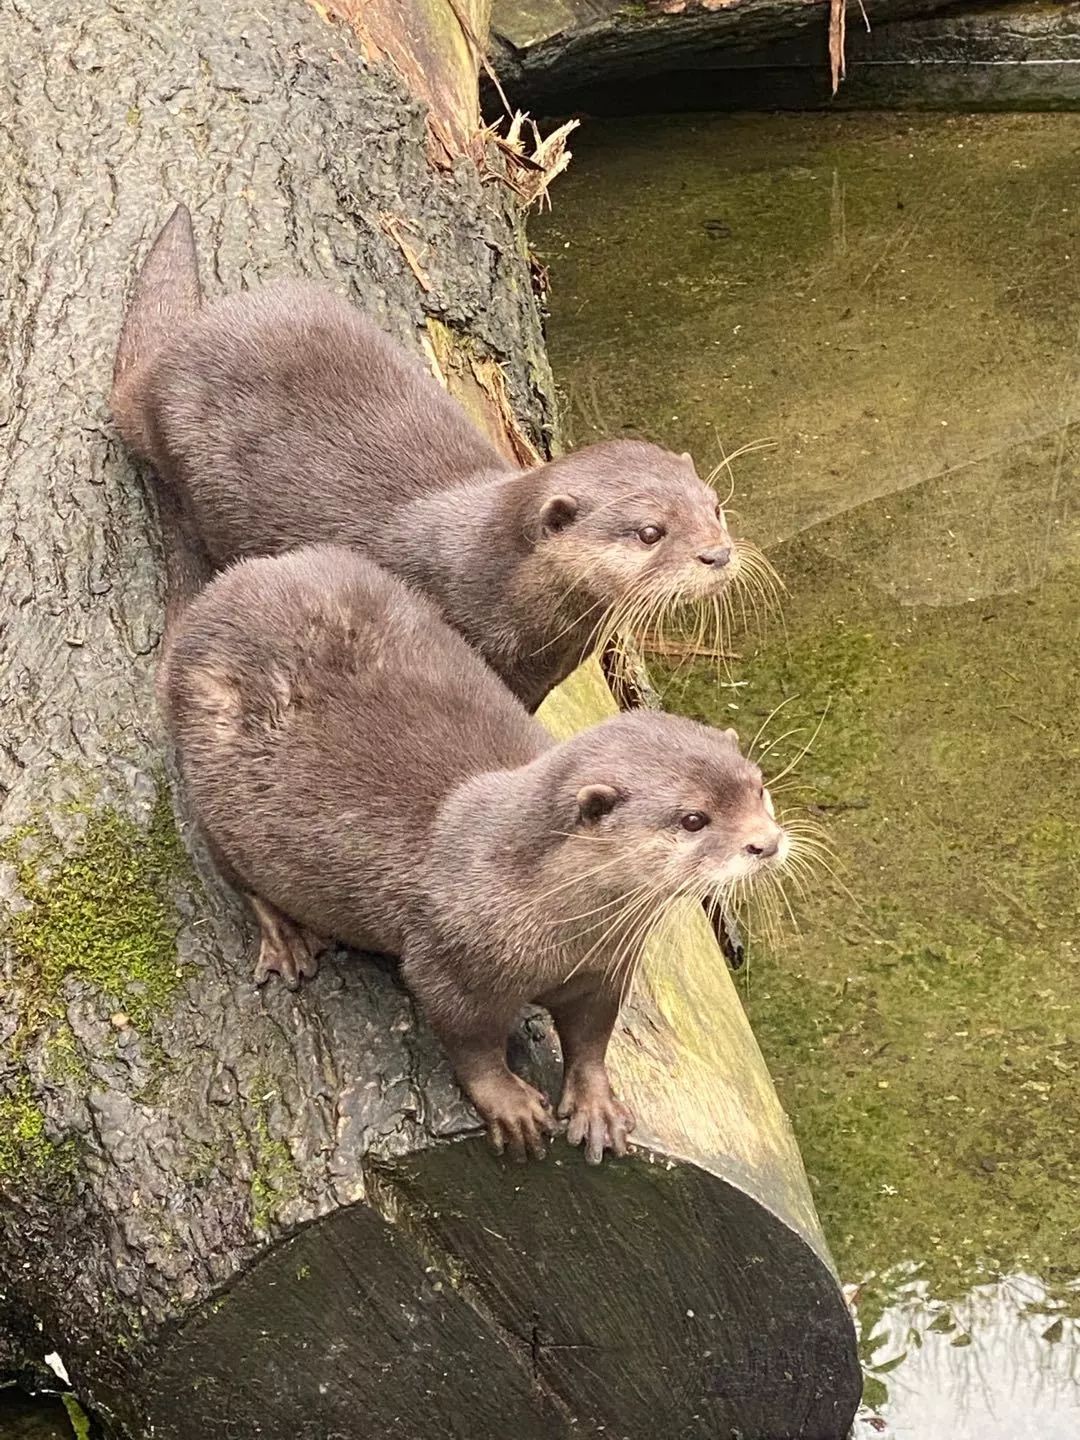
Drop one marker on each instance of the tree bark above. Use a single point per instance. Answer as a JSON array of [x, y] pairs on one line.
[[252, 1213], [557, 56]]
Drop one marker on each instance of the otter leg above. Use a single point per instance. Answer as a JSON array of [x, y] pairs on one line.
[[474, 1025], [517, 1117], [598, 1119], [285, 948]]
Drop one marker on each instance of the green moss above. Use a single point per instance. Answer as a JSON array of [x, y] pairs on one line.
[[25, 1148], [80, 1425], [875, 1394], [275, 1181], [103, 914]]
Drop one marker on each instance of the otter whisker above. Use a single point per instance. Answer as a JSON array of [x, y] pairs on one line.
[[778, 885], [642, 902], [806, 824], [793, 784], [751, 447], [629, 962], [619, 900], [566, 630], [813, 843], [753, 557], [763, 899], [779, 740], [801, 879], [580, 878], [805, 749]]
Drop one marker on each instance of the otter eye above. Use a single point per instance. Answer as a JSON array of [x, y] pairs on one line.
[[695, 820], [650, 534]]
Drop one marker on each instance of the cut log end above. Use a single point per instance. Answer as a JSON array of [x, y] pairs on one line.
[[482, 1299]]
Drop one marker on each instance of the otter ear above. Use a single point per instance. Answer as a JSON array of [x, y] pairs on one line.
[[733, 736], [687, 456], [596, 801], [558, 512]]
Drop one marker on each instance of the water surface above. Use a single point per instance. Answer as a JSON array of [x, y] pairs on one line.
[[22, 1418], [895, 303]]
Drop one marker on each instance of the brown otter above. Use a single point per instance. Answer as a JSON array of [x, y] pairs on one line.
[[365, 776], [283, 417]]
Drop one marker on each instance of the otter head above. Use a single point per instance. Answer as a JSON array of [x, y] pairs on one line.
[[631, 524], [685, 810]]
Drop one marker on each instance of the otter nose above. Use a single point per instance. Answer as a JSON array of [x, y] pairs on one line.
[[718, 557], [765, 847]]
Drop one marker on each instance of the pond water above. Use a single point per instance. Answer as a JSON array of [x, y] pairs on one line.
[[24, 1419], [894, 302]]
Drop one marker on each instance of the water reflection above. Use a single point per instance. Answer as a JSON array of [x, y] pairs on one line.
[[1004, 1360]]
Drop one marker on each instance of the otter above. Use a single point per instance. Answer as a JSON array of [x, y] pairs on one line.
[[363, 776], [283, 417]]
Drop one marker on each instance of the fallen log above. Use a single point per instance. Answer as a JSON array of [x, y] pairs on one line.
[[233, 1212], [594, 55]]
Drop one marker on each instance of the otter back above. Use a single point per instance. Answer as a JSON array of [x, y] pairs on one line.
[[291, 419], [322, 711]]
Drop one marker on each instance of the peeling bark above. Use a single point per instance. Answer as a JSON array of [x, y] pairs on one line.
[[250, 1213]]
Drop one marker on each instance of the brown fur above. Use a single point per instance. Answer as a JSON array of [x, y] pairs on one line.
[[284, 417], [364, 775], [167, 294]]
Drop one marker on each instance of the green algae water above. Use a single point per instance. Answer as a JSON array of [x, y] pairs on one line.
[[894, 302]]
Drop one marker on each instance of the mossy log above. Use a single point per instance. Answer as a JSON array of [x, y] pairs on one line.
[[557, 56], [253, 1213]]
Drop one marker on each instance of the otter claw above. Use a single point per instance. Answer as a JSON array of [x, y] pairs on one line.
[[597, 1120], [292, 965], [518, 1120], [284, 949]]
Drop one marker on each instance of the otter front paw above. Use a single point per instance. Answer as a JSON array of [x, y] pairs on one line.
[[598, 1119], [293, 961], [517, 1117]]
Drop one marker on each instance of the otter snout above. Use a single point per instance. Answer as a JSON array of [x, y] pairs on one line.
[[765, 842], [717, 557]]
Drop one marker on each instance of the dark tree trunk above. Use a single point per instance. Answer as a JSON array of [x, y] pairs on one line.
[[591, 55], [255, 1213]]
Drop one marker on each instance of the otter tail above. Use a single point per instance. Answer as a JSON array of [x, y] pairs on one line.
[[167, 292]]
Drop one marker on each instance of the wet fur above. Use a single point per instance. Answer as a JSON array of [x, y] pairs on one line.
[[282, 417]]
